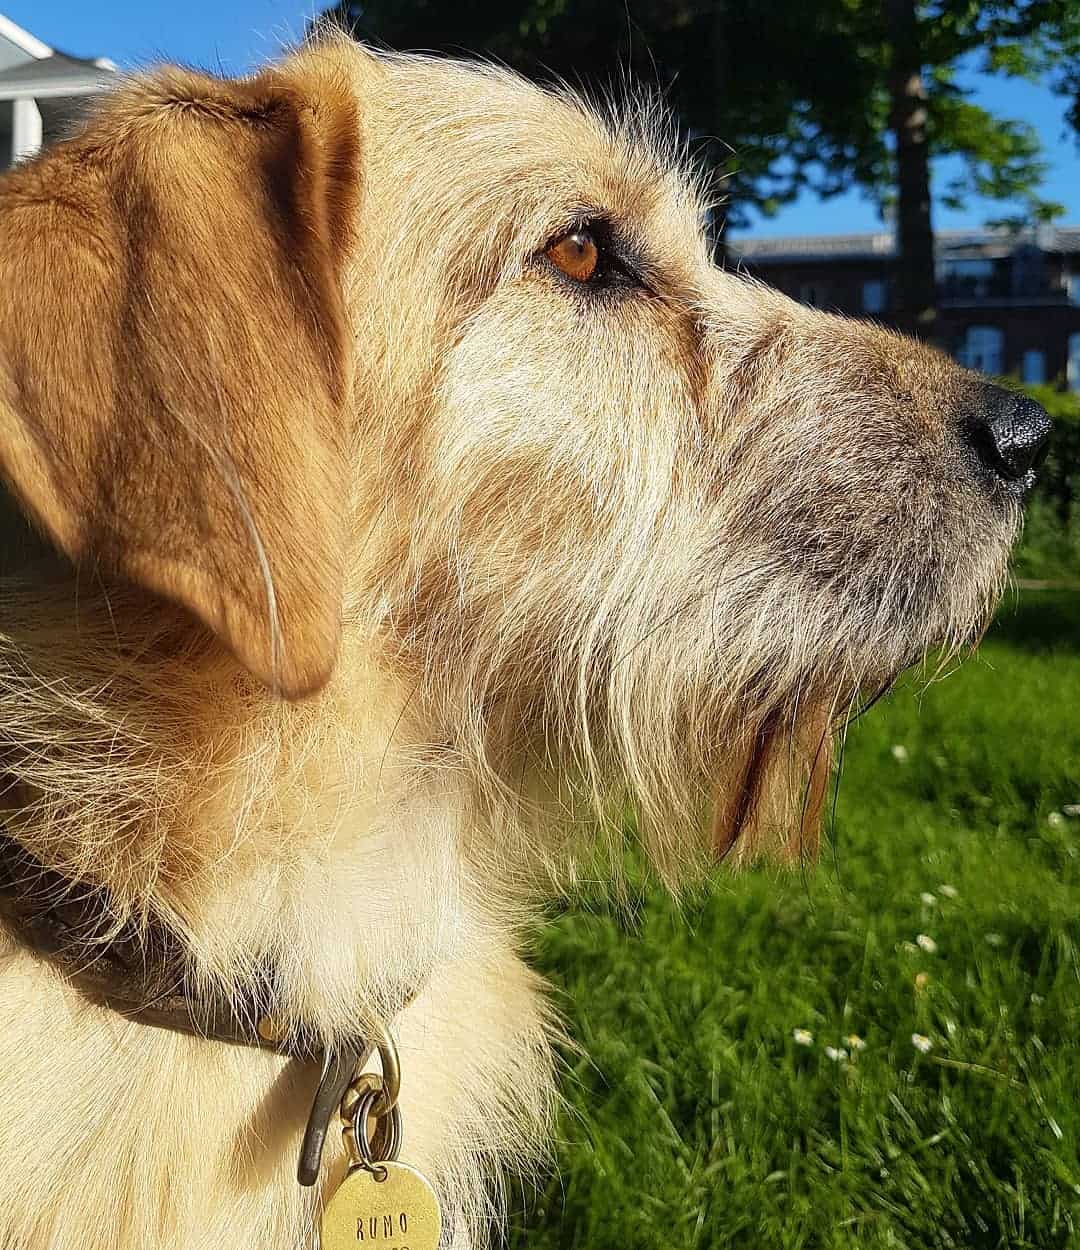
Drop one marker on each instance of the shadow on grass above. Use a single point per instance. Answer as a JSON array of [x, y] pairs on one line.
[[1040, 621]]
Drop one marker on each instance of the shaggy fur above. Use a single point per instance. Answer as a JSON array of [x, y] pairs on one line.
[[301, 408]]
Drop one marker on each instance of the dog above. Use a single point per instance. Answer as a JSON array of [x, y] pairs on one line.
[[398, 496]]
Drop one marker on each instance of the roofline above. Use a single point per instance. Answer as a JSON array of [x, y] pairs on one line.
[[29, 43], [881, 247], [57, 89], [750, 258]]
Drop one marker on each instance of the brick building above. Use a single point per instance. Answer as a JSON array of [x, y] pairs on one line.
[[1008, 303]]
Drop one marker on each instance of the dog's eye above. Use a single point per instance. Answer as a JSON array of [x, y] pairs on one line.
[[592, 257], [576, 254]]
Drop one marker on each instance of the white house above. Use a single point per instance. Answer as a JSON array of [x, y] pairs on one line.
[[40, 90]]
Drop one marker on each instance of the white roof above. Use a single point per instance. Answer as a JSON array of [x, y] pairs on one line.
[[30, 68], [18, 45], [55, 75]]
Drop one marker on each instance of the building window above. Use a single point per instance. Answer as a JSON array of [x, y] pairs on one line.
[[1073, 372], [873, 296], [1033, 366], [982, 348], [1072, 286], [966, 278]]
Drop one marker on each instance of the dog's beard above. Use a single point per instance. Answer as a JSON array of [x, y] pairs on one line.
[[775, 794], [713, 723], [774, 797]]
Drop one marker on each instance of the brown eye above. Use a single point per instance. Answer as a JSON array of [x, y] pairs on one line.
[[576, 254]]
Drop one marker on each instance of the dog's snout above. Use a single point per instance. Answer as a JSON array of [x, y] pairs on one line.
[[1009, 434]]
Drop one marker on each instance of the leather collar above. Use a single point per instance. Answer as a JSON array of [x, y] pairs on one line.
[[140, 971]]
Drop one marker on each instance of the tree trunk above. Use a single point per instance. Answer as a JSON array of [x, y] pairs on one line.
[[719, 38], [916, 291]]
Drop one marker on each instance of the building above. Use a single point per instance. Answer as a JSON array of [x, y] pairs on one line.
[[1008, 303], [40, 91]]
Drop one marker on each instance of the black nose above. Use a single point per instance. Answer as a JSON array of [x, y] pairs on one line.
[[1009, 434]]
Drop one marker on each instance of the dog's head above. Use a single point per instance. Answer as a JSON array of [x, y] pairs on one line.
[[426, 349]]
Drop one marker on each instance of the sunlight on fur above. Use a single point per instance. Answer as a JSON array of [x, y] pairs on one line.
[[544, 557]]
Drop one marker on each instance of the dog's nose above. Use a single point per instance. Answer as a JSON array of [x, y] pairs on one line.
[[1009, 434]]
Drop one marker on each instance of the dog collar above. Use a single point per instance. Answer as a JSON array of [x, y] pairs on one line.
[[140, 972]]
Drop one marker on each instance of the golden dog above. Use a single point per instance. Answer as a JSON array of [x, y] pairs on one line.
[[406, 493]]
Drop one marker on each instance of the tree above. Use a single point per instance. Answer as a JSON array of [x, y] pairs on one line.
[[1054, 50], [916, 278], [742, 77], [783, 96], [925, 45]]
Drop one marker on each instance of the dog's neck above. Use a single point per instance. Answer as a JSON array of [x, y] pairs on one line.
[[139, 969], [143, 972], [318, 840]]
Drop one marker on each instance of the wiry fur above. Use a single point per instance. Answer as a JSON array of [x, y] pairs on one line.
[[602, 549]]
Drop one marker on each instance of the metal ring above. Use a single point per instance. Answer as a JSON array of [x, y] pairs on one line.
[[365, 1083], [384, 1148], [391, 1074]]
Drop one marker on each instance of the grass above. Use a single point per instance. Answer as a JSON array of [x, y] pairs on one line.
[[696, 1119], [1049, 550]]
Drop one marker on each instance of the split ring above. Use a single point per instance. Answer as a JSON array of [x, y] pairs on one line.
[[365, 1151]]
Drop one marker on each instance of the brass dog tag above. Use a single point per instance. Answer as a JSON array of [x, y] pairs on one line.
[[399, 1212]]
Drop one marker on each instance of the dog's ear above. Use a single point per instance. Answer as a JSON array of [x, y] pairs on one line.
[[175, 363]]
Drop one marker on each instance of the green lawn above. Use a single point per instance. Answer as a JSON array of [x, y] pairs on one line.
[[694, 1116]]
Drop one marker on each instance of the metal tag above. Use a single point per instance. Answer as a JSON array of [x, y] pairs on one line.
[[398, 1212]]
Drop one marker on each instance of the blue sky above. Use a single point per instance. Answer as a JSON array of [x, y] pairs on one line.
[[235, 35]]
